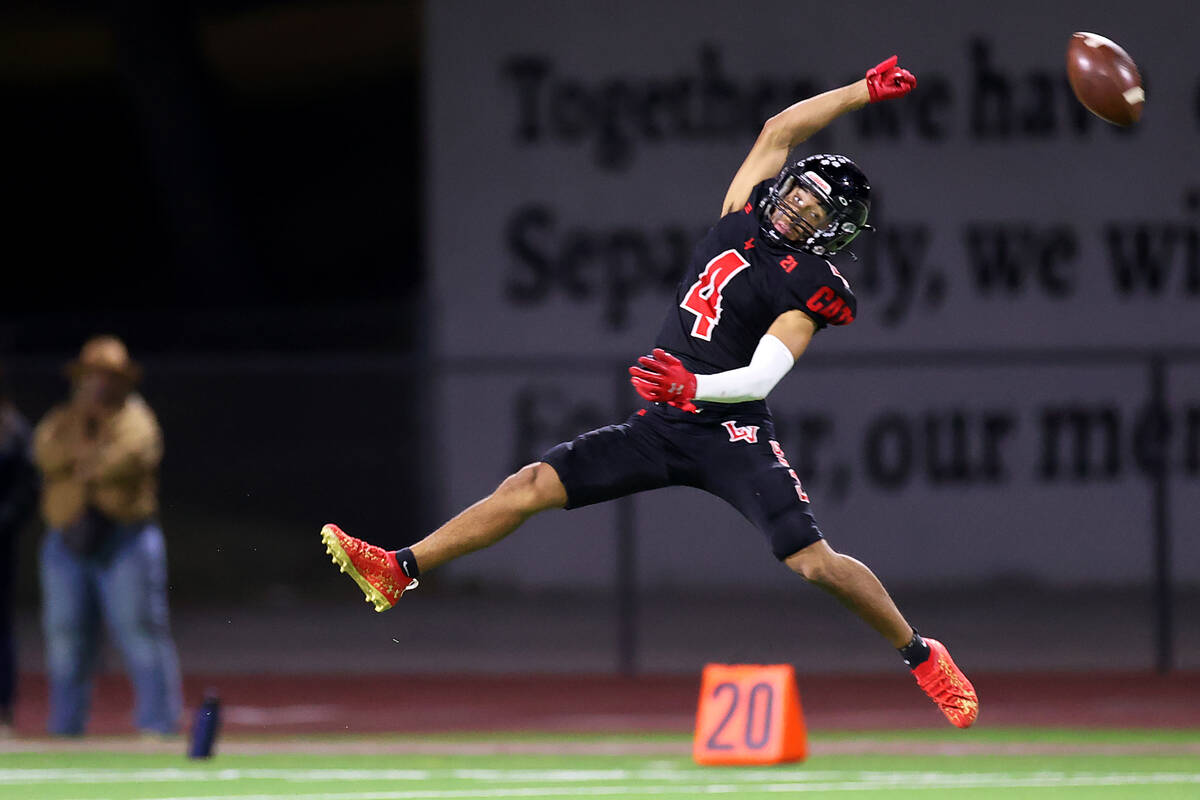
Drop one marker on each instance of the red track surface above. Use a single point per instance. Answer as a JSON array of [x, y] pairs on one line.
[[275, 704]]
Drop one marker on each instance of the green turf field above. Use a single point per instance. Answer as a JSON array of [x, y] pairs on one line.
[[981, 764]]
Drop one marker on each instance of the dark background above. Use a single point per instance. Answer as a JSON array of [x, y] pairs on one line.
[[208, 176], [234, 189]]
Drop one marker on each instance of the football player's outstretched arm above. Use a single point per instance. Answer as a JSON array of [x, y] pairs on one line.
[[661, 377], [798, 122], [776, 354], [795, 329]]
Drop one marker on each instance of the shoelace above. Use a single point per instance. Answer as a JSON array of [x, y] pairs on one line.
[[941, 686], [953, 700]]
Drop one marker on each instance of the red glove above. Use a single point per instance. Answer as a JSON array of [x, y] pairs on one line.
[[886, 80], [664, 379]]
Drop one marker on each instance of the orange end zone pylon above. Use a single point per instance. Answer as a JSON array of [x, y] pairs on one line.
[[749, 714]]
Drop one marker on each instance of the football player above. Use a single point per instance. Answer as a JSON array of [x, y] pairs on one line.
[[759, 286]]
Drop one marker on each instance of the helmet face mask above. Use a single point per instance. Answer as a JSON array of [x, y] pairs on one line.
[[830, 184]]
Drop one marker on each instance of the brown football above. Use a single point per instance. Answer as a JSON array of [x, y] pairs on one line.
[[1104, 78]]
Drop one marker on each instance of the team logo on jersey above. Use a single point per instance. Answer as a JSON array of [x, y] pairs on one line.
[[736, 434], [748, 244], [788, 263]]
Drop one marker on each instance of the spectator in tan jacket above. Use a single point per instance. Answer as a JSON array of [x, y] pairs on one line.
[[103, 554]]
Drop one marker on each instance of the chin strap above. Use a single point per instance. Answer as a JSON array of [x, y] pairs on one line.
[[851, 253]]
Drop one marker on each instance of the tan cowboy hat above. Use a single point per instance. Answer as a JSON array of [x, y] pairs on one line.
[[105, 354]]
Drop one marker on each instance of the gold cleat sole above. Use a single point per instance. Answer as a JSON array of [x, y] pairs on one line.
[[339, 556]]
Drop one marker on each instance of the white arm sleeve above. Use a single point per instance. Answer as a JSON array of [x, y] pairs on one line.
[[771, 361]]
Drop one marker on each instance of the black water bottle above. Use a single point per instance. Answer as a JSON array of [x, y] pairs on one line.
[[204, 729]]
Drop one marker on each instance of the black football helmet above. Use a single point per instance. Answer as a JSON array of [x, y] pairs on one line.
[[840, 188]]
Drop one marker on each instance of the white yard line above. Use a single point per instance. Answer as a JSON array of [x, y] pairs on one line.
[[959, 782], [686, 782], [12, 777]]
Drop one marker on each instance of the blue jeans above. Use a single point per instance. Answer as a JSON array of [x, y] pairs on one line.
[[125, 583]]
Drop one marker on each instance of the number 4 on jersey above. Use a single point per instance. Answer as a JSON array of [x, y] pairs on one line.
[[704, 297]]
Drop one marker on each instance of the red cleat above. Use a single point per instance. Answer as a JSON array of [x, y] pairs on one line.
[[947, 686], [374, 569]]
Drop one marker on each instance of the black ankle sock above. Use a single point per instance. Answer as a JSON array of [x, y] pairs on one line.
[[408, 563], [916, 652]]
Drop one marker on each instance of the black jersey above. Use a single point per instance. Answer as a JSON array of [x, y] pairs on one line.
[[736, 285]]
